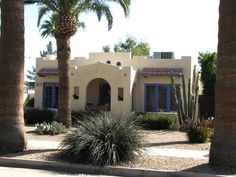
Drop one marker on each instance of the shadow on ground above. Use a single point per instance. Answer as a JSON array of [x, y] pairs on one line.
[[164, 143], [206, 168]]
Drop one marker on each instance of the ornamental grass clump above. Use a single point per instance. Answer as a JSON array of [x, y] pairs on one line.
[[102, 140]]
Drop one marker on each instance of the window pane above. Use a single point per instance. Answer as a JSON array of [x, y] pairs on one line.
[[120, 94], [150, 102], [56, 97], [76, 93], [173, 106], [162, 98], [48, 97]]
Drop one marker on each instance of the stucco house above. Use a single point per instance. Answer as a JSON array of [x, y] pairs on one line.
[[116, 82]]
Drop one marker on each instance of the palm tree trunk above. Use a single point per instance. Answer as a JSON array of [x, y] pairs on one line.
[[64, 105], [224, 140], [12, 137]]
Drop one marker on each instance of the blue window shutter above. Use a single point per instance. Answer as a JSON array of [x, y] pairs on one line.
[[168, 101], [145, 98], [156, 98]]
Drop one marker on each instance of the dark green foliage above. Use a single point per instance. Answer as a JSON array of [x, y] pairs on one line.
[[31, 75], [29, 103], [34, 116], [83, 115], [131, 45], [106, 48], [156, 121], [102, 140], [48, 51], [207, 62], [199, 134], [53, 128]]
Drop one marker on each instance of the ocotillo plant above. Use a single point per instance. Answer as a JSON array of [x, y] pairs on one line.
[[186, 99]]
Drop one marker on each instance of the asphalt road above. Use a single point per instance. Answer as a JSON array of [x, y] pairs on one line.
[[23, 172]]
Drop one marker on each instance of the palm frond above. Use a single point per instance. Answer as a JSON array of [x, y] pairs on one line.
[[124, 4], [98, 7], [43, 10], [48, 27]]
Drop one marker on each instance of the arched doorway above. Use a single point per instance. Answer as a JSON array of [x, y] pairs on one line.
[[98, 95]]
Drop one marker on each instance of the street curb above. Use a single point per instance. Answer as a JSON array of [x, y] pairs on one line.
[[89, 169]]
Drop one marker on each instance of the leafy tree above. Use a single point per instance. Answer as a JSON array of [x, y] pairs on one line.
[[63, 23], [142, 49], [132, 45], [31, 75], [48, 51], [106, 48], [127, 46], [207, 62]]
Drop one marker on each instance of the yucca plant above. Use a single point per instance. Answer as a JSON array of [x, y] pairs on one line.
[[102, 140]]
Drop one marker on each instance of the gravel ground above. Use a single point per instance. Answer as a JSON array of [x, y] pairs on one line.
[[154, 138], [160, 139]]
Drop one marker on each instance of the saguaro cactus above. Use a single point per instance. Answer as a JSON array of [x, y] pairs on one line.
[[186, 99]]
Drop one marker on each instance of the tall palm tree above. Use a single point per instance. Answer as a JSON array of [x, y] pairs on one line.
[[65, 16], [224, 139], [12, 135]]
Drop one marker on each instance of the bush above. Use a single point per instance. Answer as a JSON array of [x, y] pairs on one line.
[[102, 140], [33, 116], [156, 121], [83, 115], [29, 103], [54, 128], [199, 134]]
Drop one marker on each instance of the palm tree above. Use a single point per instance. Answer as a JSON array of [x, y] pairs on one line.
[[224, 139], [63, 24], [12, 135]]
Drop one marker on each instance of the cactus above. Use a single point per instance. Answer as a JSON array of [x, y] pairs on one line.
[[186, 100]]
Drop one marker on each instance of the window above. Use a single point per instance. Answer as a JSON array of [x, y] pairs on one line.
[[108, 62], [120, 94], [76, 93], [159, 98], [118, 63], [150, 98], [162, 98], [50, 95]]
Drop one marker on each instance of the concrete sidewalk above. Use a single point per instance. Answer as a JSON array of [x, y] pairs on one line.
[[151, 151]]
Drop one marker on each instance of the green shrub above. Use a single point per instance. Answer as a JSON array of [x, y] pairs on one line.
[[156, 121], [82, 115], [102, 140], [29, 103], [34, 116], [199, 134], [54, 128]]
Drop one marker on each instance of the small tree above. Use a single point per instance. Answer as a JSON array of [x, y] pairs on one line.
[[31, 75], [207, 62], [48, 51], [106, 48], [132, 45]]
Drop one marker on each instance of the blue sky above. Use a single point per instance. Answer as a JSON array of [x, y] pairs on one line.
[[185, 27]]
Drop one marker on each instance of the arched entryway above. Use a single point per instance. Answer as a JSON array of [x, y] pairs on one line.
[[98, 95]]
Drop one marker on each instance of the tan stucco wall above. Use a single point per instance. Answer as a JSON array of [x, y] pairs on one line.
[[128, 76]]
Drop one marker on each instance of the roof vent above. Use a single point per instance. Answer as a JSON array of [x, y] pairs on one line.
[[163, 55]]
